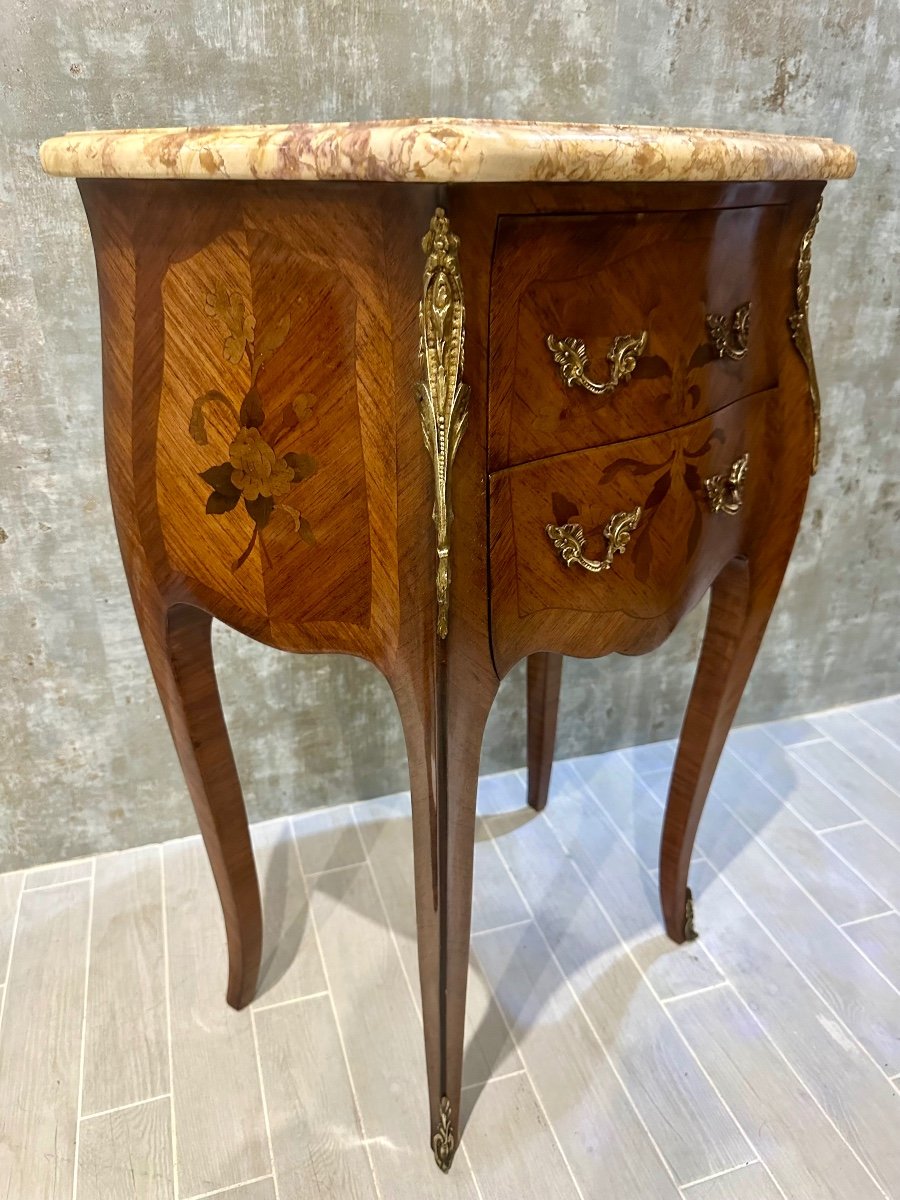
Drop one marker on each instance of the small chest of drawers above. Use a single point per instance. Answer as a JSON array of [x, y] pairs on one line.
[[446, 395]]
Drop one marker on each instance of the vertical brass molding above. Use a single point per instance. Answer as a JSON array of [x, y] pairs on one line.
[[443, 397], [799, 325]]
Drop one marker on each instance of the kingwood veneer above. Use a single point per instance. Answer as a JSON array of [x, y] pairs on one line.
[[632, 421]]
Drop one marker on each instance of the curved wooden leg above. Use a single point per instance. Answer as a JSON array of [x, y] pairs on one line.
[[543, 680], [178, 643], [741, 601], [444, 709]]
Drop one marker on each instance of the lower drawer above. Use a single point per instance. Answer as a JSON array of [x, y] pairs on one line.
[[622, 534]]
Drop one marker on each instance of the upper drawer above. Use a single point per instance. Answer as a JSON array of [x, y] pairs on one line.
[[595, 279]]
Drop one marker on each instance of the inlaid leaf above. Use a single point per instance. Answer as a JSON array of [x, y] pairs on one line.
[[652, 367], [260, 510], [563, 509], [219, 503], [717, 435], [633, 466], [300, 523], [271, 339], [219, 479], [659, 491], [303, 466], [229, 308], [704, 354], [252, 413], [197, 423], [299, 410], [642, 554], [302, 405]]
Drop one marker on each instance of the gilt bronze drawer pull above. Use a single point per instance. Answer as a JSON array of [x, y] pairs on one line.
[[730, 332], [569, 540], [726, 492], [571, 356]]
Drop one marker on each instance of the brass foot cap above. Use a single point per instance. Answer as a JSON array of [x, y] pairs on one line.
[[443, 1143], [690, 933]]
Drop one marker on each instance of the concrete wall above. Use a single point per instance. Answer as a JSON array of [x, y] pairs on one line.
[[85, 759]]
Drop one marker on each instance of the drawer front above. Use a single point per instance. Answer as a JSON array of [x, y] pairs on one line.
[[647, 319], [633, 530]]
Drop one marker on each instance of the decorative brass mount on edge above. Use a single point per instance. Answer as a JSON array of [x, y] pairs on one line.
[[726, 492], [730, 332], [444, 1141], [799, 326], [570, 354], [569, 540], [443, 397]]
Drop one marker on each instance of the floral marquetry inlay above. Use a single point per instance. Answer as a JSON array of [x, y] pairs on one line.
[[257, 472]]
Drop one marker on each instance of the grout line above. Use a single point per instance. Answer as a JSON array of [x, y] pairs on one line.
[[84, 1013], [721, 1174], [887, 737], [499, 928], [872, 917], [617, 832], [787, 1062], [737, 993], [12, 944], [891, 912], [483, 1083], [712, 987], [167, 982], [785, 864], [232, 1187], [835, 828], [861, 762], [778, 1049], [754, 836], [337, 1025], [373, 875], [590, 1024], [389, 925], [525, 1071], [843, 797], [45, 887], [829, 918], [812, 898], [105, 1112], [265, 1106], [293, 1000], [334, 870], [810, 741]]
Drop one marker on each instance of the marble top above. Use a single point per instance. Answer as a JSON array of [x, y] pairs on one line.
[[445, 151]]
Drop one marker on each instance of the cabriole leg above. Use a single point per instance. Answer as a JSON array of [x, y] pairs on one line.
[[741, 602], [544, 673], [444, 711], [178, 643]]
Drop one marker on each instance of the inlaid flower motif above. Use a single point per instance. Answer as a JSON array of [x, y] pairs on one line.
[[256, 472]]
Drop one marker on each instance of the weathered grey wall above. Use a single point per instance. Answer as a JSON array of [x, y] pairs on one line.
[[85, 760]]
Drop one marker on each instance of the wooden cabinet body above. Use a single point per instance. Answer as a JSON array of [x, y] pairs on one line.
[[273, 351]]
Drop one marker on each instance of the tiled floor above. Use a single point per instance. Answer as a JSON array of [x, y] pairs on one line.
[[762, 1061]]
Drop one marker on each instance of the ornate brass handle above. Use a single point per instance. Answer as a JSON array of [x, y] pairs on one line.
[[570, 354], [726, 492], [569, 540], [730, 332]]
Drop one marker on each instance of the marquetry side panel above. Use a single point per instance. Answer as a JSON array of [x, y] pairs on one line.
[[262, 404]]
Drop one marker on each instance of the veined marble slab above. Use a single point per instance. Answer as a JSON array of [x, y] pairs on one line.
[[444, 150]]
